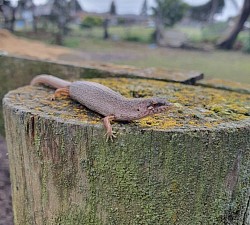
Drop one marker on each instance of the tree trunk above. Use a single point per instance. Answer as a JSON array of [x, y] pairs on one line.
[[214, 8], [105, 29], [59, 33], [8, 13], [228, 42], [63, 171], [159, 31], [34, 24], [59, 38], [13, 19]]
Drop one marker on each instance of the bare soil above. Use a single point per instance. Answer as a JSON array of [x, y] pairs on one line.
[[11, 44]]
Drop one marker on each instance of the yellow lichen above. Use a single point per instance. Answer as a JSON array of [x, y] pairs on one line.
[[193, 106]]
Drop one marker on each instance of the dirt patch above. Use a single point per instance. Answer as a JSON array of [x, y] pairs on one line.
[[80, 57], [11, 44]]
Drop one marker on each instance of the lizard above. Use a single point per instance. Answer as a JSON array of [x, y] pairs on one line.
[[103, 100]]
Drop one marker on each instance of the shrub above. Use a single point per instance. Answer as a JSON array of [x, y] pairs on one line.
[[246, 46], [133, 39], [121, 21], [169, 12], [91, 21]]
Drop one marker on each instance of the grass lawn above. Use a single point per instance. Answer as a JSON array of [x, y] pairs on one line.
[[231, 65]]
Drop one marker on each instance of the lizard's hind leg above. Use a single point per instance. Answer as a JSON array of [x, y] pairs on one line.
[[59, 92], [109, 134]]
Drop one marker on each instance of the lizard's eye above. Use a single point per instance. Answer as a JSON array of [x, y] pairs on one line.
[[138, 109]]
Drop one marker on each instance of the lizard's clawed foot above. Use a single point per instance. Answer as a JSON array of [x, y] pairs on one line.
[[53, 97], [106, 121], [110, 136]]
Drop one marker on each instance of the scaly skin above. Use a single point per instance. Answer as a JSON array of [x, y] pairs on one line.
[[105, 101]]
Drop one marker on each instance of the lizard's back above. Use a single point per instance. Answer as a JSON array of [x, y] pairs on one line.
[[96, 97]]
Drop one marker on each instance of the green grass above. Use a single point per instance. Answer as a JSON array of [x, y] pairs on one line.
[[223, 65], [133, 33], [231, 65], [194, 34]]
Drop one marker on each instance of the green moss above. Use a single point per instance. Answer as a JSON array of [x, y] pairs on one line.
[[16, 72], [44, 178], [160, 175], [193, 106], [22, 70], [144, 177], [134, 187], [75, 216]]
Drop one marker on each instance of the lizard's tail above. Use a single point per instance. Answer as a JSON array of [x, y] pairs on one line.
[[50, 80]]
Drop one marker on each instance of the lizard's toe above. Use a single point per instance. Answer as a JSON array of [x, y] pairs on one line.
[[110, 136], [53, 97]]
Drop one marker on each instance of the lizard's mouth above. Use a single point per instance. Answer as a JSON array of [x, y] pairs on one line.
[[159, 107]]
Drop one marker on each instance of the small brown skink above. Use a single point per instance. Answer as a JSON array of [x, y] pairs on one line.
[[105, 101]]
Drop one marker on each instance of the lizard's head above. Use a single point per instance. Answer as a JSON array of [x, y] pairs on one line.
[[152, 106]]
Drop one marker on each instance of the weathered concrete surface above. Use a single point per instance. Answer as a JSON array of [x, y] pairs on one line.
[[16, 72], [226, 85], [161, 170]]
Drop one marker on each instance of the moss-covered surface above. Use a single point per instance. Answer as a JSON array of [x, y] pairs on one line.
[[194, 107], [189, 165], [16, 72], [180, 76]]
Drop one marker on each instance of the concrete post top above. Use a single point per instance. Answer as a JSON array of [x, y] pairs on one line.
[[194, 107]]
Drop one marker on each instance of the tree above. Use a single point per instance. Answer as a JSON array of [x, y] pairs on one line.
[[105, 28], [112, 8], [27, 5], [60, 15], [207, 11], [166, 14], [106, 20], [228, 42], [8, 12], [214, 8], [144, 9]]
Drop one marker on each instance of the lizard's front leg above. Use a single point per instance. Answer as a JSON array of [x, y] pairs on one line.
[[107, 125], [60, 91]]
